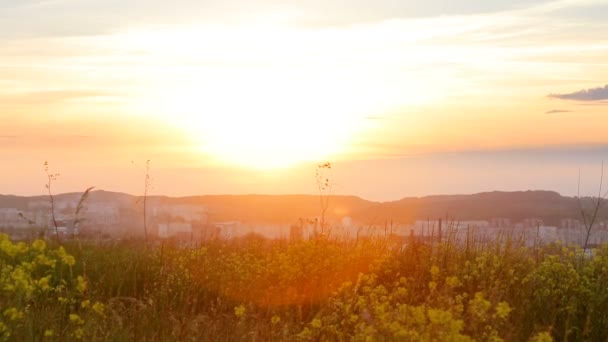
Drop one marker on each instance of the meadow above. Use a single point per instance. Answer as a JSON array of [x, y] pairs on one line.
[[252, 289]]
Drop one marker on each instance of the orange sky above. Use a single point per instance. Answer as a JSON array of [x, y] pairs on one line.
[[251, 96]]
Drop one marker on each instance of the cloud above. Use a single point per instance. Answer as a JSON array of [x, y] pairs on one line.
[[594, 103], [94, 17], [48, 97], [592, 94], [556, 111]]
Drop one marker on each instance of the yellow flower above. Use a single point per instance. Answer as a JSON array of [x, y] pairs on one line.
[[434, 271], [27, 266], [21, 247], [98, 307], [74, 318], [452, 281], [78, 333], [69, 260], [43, 283], [13, 314], [81, 284], [275, 320], [503, 309], [39, 245], [542, 337], [44, 260], [85, 304], [316, 323], [49, 333], [66, 258], [4, 330], [239, 311]]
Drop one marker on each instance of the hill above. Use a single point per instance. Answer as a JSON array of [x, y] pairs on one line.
[[547, 205]]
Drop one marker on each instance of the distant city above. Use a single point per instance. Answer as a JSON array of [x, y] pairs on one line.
[[111, 215]]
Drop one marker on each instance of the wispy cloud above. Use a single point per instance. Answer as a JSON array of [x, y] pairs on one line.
[[594, 103], [592, 94], [556, 111], [50, 96]]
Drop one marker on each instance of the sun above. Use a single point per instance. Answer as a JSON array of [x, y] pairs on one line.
[[261, 120], [267, 96]]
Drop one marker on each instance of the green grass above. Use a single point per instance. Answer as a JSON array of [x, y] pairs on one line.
[[252, 289]]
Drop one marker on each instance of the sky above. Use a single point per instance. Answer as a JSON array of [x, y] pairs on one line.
[[231, 97]]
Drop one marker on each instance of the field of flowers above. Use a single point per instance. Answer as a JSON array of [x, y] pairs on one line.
[[321, 290]]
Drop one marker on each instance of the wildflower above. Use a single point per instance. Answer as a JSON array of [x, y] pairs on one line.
[[275, 320], [81, 284], [434, 271], [503, 309], [22, 281], [74, 318], [78, 333], [4, 332], [452, 281], [21, 248], [98, 307], [69, 260], [306, 334], [239, 311], [27, 266], [49, 333], [43, 283], [65, 258], [39, 245], [13, 314], [542, 337], [44, 260], [7, 247], [85, 304], [316, 323]]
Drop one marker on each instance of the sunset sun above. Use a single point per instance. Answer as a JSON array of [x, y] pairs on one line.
[[260, 120], [269, 101]]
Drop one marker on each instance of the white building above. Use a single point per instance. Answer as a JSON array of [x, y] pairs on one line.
[[166, 230]]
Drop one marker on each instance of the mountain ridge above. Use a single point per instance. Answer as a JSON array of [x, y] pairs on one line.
[[547, 205]]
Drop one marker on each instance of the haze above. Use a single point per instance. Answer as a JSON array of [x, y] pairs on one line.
[[226, 97]]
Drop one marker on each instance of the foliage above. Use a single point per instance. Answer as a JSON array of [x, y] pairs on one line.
[[41, 297], [323, 289]]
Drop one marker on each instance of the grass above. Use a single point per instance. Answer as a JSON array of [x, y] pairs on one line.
[[254, 289]]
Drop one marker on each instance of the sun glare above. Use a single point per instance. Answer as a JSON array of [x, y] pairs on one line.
[[271, 98], [261, 119]]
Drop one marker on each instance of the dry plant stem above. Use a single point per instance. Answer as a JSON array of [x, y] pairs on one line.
[[80, 206], [589, 220], [50, 178], [146, 189], [324, 186]]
